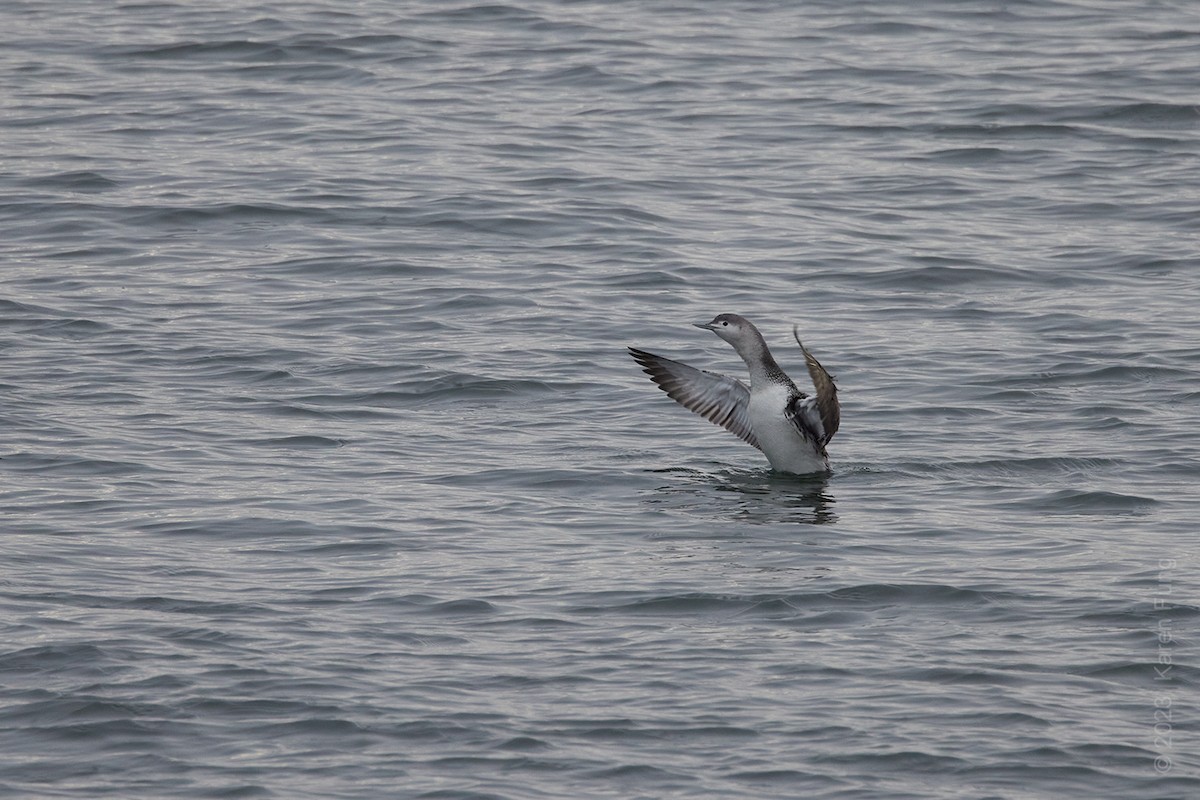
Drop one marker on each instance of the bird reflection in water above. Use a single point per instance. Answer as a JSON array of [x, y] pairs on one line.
[[756, 496]]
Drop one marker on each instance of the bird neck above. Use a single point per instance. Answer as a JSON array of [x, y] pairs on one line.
[[760, 362]]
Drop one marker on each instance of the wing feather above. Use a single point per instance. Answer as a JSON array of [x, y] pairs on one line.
[[718, 398], [826, 399]]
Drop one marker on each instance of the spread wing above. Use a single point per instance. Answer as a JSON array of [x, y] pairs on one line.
[[719, 399], [824, 407]]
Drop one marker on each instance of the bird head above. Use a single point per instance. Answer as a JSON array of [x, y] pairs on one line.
[[733, 328]]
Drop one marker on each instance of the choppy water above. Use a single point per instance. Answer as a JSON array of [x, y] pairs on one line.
[[324, 473]]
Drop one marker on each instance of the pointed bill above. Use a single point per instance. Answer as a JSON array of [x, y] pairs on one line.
[[719, 399]]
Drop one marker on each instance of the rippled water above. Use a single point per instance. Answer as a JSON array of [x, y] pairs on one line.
[[325, 473]]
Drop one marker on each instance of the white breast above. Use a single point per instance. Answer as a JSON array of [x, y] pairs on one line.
[[783, 445]]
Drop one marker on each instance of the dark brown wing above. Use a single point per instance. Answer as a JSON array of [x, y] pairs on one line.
[[826, 397]]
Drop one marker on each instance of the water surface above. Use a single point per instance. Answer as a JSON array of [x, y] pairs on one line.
[[325, 473]]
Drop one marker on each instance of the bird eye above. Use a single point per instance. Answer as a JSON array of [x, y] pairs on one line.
[[726, 324]]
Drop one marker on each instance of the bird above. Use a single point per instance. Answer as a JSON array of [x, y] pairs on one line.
[[790, 427]]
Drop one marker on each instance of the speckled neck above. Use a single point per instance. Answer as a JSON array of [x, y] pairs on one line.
[[763, 368]]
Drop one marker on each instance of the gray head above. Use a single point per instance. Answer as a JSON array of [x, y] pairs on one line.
[[733, 328]]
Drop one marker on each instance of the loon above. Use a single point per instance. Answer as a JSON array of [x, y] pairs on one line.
[[788, 426]]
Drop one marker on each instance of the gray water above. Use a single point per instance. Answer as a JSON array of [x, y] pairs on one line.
[[323, 471]]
